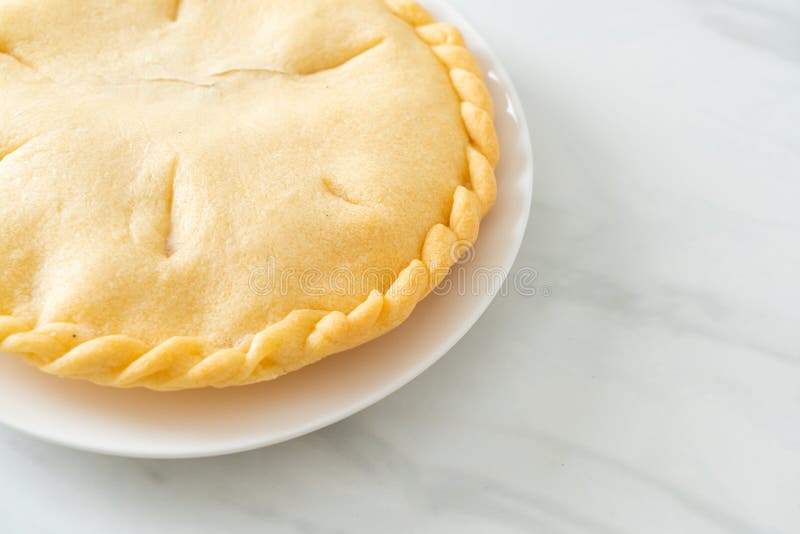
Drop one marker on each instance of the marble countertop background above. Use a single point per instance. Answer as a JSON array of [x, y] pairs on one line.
[[653, 384]]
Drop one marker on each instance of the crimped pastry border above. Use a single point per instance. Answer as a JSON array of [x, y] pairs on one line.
[[303, 336]]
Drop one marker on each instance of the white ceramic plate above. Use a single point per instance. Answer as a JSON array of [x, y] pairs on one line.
[[142, 423]]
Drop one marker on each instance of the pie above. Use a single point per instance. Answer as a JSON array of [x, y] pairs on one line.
[[198, 193]]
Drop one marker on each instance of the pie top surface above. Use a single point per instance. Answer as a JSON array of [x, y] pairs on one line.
[[194, 173]]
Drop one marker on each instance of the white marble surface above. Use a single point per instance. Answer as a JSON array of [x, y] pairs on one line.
[[655, 390]]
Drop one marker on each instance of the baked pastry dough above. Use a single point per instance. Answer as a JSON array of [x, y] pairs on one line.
[[184, 184]]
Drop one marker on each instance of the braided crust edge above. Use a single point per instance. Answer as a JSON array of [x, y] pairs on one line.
[[304, 336]]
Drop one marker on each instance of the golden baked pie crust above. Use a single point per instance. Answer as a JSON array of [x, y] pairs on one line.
[[303, 336]]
